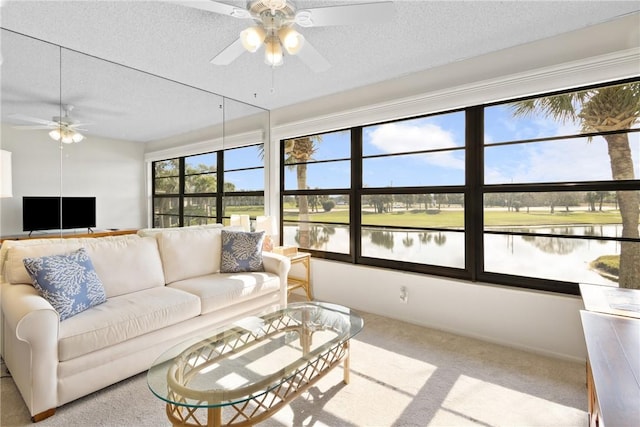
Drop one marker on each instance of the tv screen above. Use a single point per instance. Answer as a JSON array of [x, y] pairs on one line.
[[78, 212], [40, 213], [44, 213]]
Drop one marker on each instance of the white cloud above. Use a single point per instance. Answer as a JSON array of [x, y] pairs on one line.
[[400, 138], [550, 161], [563, 160]]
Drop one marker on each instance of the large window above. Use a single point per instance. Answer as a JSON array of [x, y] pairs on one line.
[[540, 192], [412, 195], [316, 203], [191, 191], [166, 193], [200, 187], [244, 181], [561, 192]]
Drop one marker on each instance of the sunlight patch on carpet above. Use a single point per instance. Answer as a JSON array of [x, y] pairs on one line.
[[488, 403], [391, 368]]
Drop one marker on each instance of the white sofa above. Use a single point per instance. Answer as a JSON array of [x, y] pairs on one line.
[[161, 286]]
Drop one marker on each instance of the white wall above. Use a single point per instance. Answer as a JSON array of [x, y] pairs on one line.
[[541, 322], [111, 170]]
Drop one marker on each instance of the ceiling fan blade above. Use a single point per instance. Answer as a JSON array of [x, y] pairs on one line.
[[229, 54], [34, 127], [215, 7], [32, 119], [314, 60], [345, 15]]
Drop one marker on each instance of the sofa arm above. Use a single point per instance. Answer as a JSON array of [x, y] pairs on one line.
[[31, 329], [280, 265]]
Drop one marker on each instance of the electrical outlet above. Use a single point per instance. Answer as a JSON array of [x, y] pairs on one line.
[[404, 295]]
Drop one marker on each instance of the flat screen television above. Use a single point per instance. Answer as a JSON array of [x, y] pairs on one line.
[[53, 213]]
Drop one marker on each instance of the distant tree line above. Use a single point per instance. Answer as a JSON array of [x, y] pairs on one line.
[[595, 200]]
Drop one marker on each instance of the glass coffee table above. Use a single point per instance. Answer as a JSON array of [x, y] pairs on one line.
[[244, 374]]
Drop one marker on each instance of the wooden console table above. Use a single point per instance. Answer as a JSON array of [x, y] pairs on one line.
[[99, 233], [611, 325], [613, 369]]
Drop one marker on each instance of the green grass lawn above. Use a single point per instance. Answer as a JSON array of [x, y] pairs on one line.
[[455, 218], [244, 210], [609, 264]]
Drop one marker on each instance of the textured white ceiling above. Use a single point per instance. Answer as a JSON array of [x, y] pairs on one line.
[[177, 42]]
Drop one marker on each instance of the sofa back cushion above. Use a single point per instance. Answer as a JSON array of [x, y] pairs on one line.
[[4, 254], [123, 263], [189, 253], [126, 265], [14, 270], [145, 232]]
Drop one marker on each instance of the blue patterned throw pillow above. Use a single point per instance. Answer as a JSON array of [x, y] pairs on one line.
[[69, 282], [241, 251]]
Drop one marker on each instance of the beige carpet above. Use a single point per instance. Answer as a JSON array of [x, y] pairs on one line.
[[401, 375]]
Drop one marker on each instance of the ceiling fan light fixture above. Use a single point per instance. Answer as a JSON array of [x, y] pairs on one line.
[[55, 134], [252, 38], [77, 137], [273, 53], [65, 135], [66, 139], [291, 40]]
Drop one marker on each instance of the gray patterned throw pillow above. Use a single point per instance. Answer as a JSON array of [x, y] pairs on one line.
[[69, 282], [241, 251]]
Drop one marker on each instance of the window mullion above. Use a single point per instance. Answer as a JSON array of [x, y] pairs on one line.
[[355, 230], [182, 172], [281, 191], [474, 222], [219, 186]]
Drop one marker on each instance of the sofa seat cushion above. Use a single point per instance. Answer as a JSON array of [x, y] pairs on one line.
[[124, 317], [217, 291]]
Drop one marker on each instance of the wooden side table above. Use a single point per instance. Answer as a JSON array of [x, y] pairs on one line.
[[304, 282]]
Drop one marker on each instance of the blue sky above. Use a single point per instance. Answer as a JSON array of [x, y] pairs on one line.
[[561, 160], [246, 157]]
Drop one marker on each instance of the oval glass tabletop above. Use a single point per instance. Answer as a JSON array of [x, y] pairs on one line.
[[251, 357]]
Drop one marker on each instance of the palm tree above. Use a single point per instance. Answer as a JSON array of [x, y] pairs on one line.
[[613, 108], [298, 151]]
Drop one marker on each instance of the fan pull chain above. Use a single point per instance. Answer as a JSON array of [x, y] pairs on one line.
[[273, 87]]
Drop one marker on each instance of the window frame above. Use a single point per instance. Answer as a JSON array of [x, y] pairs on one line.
[[474, 190], [219, 194]]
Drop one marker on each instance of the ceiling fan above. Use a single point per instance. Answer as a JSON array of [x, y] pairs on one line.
[[274, 22], [63, 128]]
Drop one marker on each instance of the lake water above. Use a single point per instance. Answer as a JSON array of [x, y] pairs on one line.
[[554, 258]]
